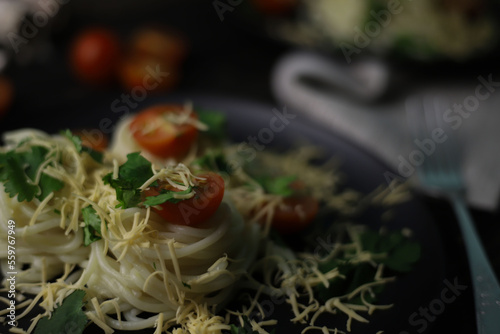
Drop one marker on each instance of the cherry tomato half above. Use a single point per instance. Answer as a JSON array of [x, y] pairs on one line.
[[93, 138], [295, 214], [94, 55], [197, 209], [160, 137]]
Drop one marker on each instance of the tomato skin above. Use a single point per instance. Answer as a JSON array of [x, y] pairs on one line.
[[167, 140], [197, 209], [286, 218], [93, 138], [158, 43], [154, 76], [94, 55], [6, 95]]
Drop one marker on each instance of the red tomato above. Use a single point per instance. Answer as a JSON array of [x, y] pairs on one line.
[[147, 74], [160, 137], [275, 7], [295, 214], [94, 55], [6, 94], [162, 44], [93, 138], [197, 209]]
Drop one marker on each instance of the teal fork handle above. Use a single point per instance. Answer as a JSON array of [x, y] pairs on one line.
[[486, 287]]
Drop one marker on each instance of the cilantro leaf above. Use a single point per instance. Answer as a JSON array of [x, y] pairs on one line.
[[166, 196], [214, 161], [92, 228], [48, 185], [131, 175], [96, 155], [77, 141], [246, 329], [277, 185], [15, 180], [67, 318], [18, 171], [401, 252], [216, 122], [395, 251]]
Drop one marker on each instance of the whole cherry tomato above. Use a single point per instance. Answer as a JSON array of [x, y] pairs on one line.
[[6, 94], [94, 55]]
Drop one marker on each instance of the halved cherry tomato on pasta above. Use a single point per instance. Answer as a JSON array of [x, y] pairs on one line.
[[193, 211], [156, 134], [295, 214], [93, 138]]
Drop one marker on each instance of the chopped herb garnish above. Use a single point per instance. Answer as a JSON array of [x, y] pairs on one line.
[[166, 196], [77, 141], [19, 170], [216, 122], [92, 228], [131, 175], [67, 318], [393, 250], [214, 161], [401, 253], [277, 185], [186, 285]]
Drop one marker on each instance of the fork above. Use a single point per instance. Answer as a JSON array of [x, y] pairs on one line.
[[440, 171]]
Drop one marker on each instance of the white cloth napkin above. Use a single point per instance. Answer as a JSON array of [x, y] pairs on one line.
[[383, 128]]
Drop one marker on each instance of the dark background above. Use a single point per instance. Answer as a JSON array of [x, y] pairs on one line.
[[229, 58]]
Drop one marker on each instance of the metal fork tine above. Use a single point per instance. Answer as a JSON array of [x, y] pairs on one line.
[[440, 170], [450, 148], [414, 109], [433, 165]]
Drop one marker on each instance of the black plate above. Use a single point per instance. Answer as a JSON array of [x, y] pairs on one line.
[[364, 172]]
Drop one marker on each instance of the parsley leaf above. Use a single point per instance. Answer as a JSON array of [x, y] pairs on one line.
[[77, 141], [92, 228], [166, 196], [131, 175], [18, 171], [277, 185], [67, 318], [216, 122]]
